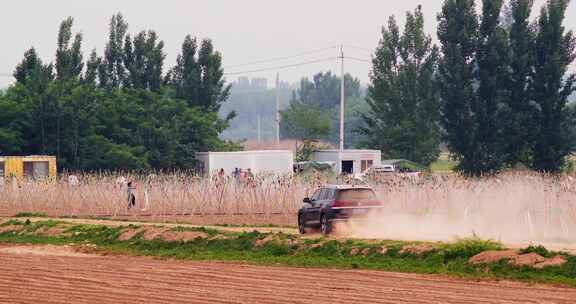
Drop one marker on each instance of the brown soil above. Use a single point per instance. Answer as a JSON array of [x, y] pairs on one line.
[[45, 250], [53, 231], [417, 249], [128, 234], [31, 278], [554, 261], [151, 233], [513, 257], [529, 259], [264, 241], [10, 228], [183, 235], [488, 257]]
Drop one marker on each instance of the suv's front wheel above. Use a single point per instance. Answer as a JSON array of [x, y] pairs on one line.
[[301, 224], [325, 225]]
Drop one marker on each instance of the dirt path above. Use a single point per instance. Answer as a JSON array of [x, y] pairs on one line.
[[113, 223], [37, 276], [570, 248]]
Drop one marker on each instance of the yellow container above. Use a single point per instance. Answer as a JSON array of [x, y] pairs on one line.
[[37, 167]]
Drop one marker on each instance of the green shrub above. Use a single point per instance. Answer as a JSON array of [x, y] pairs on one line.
[[467, 248], [541, 250]]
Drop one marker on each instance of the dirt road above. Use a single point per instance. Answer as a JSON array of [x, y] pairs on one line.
[[53, 275]]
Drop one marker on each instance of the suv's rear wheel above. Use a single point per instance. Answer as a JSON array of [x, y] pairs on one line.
[[301, 224], [325, 225]]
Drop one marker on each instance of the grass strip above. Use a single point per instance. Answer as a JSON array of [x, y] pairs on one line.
[[288, 250]]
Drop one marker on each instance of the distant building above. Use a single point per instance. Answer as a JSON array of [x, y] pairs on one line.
[[245, 83], [349, 161], [34, 167], [274, 161], [259, 83], [242, 83]]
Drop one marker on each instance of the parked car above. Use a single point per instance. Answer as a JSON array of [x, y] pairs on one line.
[[331, 203]]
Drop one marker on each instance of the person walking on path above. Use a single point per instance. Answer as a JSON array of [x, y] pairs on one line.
[[130, 192]]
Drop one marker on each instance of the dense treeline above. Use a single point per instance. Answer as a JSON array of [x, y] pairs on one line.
[[314, 110], [497, 88], [495, 91], [120, 110]]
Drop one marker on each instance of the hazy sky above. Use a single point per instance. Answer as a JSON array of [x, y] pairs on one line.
[[244, 31]]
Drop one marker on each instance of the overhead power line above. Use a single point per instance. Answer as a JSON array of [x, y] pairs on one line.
[[283, 66], [358, 59], [359, 48], [282, 58]]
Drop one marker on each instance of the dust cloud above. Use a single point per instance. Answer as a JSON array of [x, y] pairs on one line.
[[514, 208]]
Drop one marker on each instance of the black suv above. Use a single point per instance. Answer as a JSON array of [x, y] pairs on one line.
[[336, 203]]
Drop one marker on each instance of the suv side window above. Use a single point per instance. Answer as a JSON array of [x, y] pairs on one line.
[[329, 194], [316, 195], [322, 194]]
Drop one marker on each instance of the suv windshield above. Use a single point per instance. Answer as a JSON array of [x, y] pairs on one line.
[[357, 195]]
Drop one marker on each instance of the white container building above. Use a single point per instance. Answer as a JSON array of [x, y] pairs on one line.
[[279, 162], [350, 161]]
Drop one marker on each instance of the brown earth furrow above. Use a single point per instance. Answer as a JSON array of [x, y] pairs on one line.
[[248, 281], [78, 290], [90, 295], [357, 290], [428, 298], [126, 289], [27, 278]]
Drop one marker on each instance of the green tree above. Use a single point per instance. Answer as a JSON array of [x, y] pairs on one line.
[[33, 79], [185, 77], [198, 76], [324, 90], [112, 72], [69, 62], [518, 111], [492, 79], [403, 120], [458, 35], [305, 124], [13, 125], [91, 75], [555, 51], [144, 60], [213, 90], [119, 114]]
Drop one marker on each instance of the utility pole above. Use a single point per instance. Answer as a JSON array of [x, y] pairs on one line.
[[342, 100], [278, 109], [259, 130]]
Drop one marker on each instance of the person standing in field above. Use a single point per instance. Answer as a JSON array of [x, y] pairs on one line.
[[130, 192], [236, 175]]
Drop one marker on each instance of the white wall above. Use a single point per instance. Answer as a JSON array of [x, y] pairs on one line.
[[351, 155], [280, 162]]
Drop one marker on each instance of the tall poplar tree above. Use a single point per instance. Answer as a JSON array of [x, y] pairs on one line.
[[492, 79], [112, 72], [518, 119], [213, 89], [552, 86], [458, 34], [69, 61], [144, 60], [403, 96], [185, 76]]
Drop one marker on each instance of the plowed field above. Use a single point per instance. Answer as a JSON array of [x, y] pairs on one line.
[[51, 275]]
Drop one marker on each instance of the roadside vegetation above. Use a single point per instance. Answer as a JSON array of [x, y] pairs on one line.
[[184, 243]]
